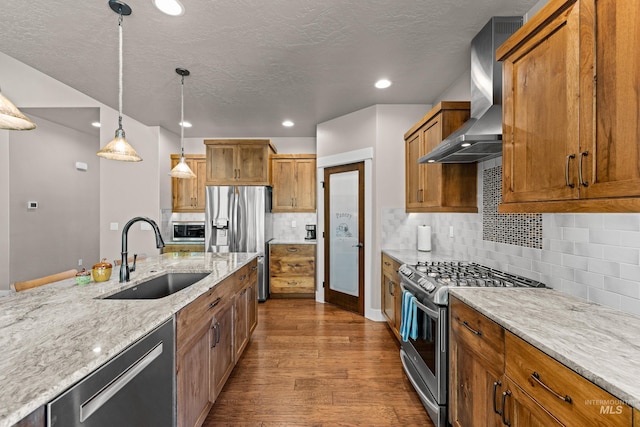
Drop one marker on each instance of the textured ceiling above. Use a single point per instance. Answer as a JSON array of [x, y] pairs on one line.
[[253, 63]]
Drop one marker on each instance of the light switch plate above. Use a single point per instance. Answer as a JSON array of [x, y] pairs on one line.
[[113, 226]]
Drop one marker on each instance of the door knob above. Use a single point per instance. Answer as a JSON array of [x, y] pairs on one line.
[[359, 245]]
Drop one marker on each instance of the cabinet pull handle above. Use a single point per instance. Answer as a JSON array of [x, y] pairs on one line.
[[536, 377], [293, 283], [466, 325], [254, 268], [292, 202], [391, 286], [214, 328], [214, 303], [292, 249], [294, 265], [219, 333], [495, 409], [387, 263], [244, 276], [504, 408], [582, 181], [566, 171]]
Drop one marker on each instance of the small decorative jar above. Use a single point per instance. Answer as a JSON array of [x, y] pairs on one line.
[[83, 277], [101, 271]]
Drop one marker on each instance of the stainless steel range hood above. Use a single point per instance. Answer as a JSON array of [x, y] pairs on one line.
[[480, 138]]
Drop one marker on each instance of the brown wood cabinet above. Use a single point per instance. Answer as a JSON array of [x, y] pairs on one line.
[[570, 109], [188, 194], [211, 334], [292, 270], [496, 378], [182, 248], [391, 294], [476, 360], [238, 161], [294, 182], [438, 187]]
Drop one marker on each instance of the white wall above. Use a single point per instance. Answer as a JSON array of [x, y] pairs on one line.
[[378, 130], [168, 144], [64, 227], [126, 190]]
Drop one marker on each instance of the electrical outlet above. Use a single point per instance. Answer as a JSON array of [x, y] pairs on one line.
[[451, 231], [113, 226], [80, 261], [293, 224]]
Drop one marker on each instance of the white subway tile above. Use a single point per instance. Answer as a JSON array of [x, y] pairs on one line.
[[589, 220], [630, 272], [623, 255], [576, 262], [622, 287], [630, 239], [561, 246], [605, 237], [524, 273], [591, 250], [543, 268], [563, 220], [590, 279], [562, 272], [551, 257], [603, 297], [532, 253], [608, 268], [627, 222], [575, 234], [630, 305], [576, 289]]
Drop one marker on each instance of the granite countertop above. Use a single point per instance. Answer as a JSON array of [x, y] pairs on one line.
[[292, 242], [53, 336], [412, 256], [599, 343]]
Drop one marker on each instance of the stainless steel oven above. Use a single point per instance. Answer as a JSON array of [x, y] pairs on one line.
[[425, 357], [189, 231]]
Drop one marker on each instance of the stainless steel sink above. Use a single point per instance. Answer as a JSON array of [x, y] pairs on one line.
[[159, 287]]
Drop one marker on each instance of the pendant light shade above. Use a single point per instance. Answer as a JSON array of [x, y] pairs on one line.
[[182, 169], [119, 148], [11, 118]]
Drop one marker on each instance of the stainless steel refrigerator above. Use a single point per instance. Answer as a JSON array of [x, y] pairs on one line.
[[238, 219]]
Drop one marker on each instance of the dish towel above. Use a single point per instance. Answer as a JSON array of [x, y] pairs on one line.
[[409, 321]]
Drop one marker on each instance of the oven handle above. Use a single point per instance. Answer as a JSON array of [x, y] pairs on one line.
[[424, 397], [432, 313]]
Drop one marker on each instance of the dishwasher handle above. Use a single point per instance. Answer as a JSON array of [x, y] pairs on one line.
[[89, 407]]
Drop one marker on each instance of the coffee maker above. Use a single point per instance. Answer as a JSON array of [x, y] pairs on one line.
[[311, 232]]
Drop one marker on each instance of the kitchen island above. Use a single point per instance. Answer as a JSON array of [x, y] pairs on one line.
[[55, 335]]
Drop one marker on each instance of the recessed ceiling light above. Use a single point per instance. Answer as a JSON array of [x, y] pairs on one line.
[[287, 123], [431, 161], [170, 7], [383, 84], [186, 124], [95, 124], [466, 144]]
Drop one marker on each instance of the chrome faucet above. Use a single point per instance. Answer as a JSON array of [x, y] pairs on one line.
[[124, 264]]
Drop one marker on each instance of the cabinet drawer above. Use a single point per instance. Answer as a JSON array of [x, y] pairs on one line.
[[481, 335], [571, 398], [190, 318], [389, 265], [302, 266], [293, 251], [292, 284]]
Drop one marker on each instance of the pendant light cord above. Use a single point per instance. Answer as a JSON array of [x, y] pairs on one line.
[[182, 117], [120, 73]]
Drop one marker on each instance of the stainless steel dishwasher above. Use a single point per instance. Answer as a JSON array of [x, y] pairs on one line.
[[135, 388]]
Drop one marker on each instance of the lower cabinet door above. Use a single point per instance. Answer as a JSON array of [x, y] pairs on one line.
[[241, 322], [193, 386], [221, 349], [521, 410]]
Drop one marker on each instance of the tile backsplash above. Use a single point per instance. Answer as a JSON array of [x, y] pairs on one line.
[[592, 256], [282, 225]]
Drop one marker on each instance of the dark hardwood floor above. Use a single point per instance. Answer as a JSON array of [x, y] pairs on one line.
[[311, 364]]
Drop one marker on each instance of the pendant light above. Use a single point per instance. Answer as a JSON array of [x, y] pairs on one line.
[[11, 118], [119, 148], [182, 169]]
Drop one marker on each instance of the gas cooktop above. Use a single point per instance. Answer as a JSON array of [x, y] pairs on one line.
[[431, 280]]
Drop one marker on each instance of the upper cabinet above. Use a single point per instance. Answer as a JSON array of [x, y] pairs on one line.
[[238, 161], [438, 187], [570, 109], [188, 194], [294, 182]]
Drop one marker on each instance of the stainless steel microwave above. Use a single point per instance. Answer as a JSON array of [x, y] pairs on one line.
[[188, 231]]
